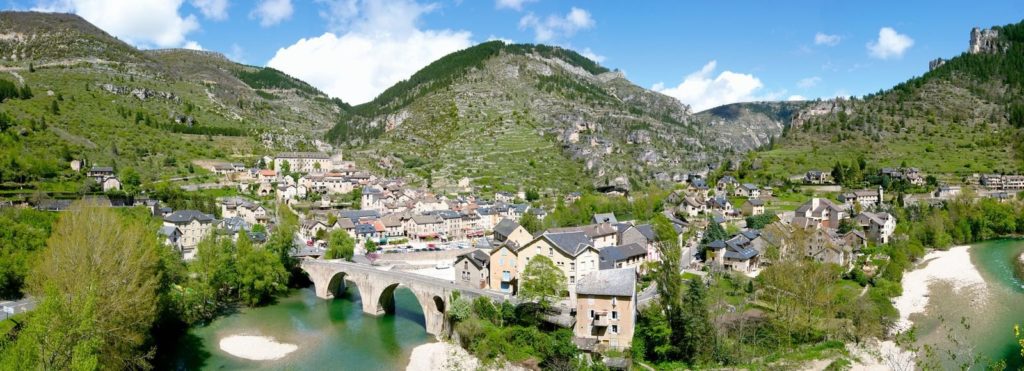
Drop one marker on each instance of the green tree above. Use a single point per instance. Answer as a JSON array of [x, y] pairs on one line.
[[760, 221], [697, 337], [532, 195], [340, 245], [541, 281], [23, 233], [99, 279], [371, 247], [714, 232], [261, 276], [57, 336], [530, 222]]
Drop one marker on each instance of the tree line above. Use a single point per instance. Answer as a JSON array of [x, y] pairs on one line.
[[110, 291]]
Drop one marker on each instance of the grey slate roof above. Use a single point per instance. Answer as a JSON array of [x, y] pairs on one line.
[[505, 227], [612, 254], [608, 282], [427, 219], [355, 215], [648, 231], [186, 216], [365, 229], [168, 231], [605, 218], [477, 258], [572, 243]]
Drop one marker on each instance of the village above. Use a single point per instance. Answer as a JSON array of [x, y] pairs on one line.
[[477, 240]]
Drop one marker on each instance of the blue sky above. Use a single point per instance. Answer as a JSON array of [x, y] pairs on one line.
[[703, 53]]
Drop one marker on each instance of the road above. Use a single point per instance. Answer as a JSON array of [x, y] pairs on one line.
[[10, 308]]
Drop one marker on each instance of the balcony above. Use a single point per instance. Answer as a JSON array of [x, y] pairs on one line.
[[601, 319]]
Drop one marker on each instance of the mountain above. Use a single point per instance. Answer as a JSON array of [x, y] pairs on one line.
[[753, 124], [513, 116], [502, 116], [95, 97], [963, 117]]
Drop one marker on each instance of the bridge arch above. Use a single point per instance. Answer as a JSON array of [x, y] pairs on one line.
[[377, 289]]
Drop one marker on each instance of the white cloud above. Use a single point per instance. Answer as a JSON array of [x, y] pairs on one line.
[[271, 12], [808, 82], [502, 39], [381, 47], [701, 90], [212, 9], [592, 56], [556, 27], [192, 45], [143, 23], [826, 39], [511, 4], [890, 44], [796, 98]]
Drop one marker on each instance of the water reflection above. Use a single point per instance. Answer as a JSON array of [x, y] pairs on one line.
[[330, 334]]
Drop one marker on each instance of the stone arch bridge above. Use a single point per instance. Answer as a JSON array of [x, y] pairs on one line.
[[376, 288]]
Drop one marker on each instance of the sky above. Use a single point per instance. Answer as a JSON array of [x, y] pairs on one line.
[[703, 53]]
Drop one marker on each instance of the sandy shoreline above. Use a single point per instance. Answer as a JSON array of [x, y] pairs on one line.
[[256, 348], [953, 266]]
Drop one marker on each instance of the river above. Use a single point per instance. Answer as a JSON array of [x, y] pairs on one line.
[[991, 321], [330, 335]]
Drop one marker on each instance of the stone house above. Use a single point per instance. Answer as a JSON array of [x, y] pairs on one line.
[[878, 227], [606, 308], [111, 184], [472, 269], [753, 206], [510, 231], [630, 255], [748, 190], [194, 227], [304, 162]]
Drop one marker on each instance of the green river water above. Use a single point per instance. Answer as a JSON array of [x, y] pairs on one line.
[[991, 321], [330, 335]]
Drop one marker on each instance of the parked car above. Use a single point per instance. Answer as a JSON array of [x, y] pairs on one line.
[[309, 243], [442, 266]]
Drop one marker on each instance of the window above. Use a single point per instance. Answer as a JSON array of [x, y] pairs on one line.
[[572, 279], [591, 313], [615, 314], [551, 251], [615, 329]]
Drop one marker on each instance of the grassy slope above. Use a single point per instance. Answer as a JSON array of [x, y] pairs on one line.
[[952, 122], [90, 125], [941, 128]]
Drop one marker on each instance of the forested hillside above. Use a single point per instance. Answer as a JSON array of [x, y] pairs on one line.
[[534, 116], [962, 118], [72, 92]]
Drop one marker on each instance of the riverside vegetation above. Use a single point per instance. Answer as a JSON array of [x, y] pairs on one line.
[[120, 290]]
